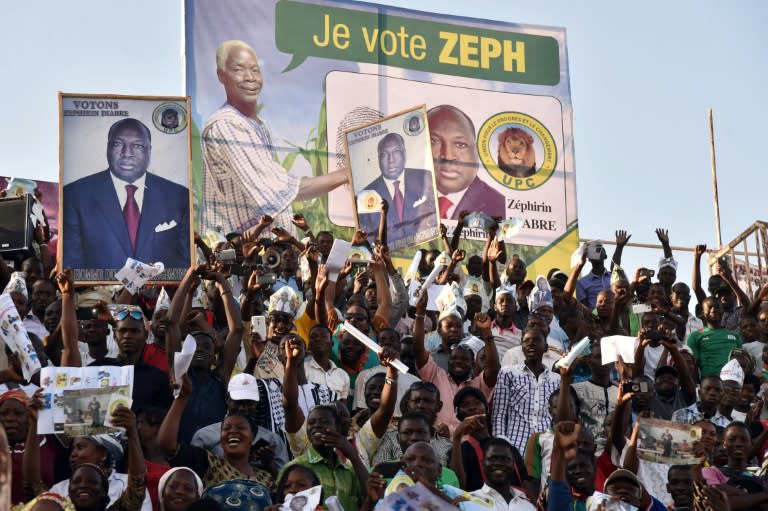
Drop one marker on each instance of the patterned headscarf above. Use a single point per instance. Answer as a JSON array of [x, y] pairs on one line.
[[240, 495], [63, 502]]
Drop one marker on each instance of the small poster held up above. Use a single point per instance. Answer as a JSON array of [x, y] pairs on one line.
[[667, 442], [391, 160], [14, 334], [69, 394]]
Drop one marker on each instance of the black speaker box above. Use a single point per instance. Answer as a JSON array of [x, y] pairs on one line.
[[16, 227]]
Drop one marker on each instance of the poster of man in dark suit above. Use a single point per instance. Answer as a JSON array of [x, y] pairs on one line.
[[452, 137], [126, 210], [408, 190]]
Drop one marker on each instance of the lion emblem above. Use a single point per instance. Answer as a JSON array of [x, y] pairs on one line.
[[517, 156]]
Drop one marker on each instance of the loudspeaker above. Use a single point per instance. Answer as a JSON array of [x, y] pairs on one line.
[[16, 227]]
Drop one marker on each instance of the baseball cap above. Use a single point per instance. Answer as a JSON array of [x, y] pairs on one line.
[[243, 387], [666, 370], [622, 474]]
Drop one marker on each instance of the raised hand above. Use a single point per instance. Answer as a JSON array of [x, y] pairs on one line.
[[443, 230], [283, 236], [566, 433], [463, 216], [622, 238], [65, 281], [292, 349], [322, 279], [483, 323], [265, 221], [299, 221], [699, 250], [384, 206], [458, 255], [359, 237], [123, 417], [494, 251], [663, 235]]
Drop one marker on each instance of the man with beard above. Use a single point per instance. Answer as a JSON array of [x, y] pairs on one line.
[[207, 401], [461, 363], [499, 468]]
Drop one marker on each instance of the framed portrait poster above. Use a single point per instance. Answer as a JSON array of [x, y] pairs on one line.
[[125, 185], [391, 160]]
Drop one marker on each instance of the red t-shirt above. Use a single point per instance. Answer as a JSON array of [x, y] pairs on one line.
[[156, 356]]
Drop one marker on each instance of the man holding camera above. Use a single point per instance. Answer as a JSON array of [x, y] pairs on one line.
[[596, 280]]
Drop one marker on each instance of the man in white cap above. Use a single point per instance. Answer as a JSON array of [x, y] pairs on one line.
[[505, 331], [732, 376], [264, 361], [242, 399]]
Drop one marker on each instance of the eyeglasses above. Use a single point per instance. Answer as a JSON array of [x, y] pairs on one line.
[[134, 313], [359, 316]]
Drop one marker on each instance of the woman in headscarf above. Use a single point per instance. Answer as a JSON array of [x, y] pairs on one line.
[[14, 417], [239, 495], [238, 433], [179, 487], [100, 451]]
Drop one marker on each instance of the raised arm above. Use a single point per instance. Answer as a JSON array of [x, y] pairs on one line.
[[173, 317], [458, 230], [725, 272], [133, 496], [495, 249], [696, 275], [70, 333], [622, 238], [687, 383], [301, 222], [419, 350], [493, 366], [663, 235], [631, 461], [457, 257], [168, 434], [563, 450], [383, 222], [253, 301], [573, 278], [383, 296], [234, 325], [294, 416], [320, 312], [30, 462], [383, 415]]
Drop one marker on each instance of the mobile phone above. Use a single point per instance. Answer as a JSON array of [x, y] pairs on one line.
[[259, 326], [389, 469], [634, 387], [641, 308]]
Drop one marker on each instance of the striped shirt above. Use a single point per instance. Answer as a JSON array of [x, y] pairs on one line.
[[520, 403], [242, 178]]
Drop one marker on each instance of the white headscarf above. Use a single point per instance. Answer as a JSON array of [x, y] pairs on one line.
[[167, 476]]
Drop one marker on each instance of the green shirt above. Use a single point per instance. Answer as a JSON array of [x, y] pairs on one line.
[[711, 348], [337, 478]]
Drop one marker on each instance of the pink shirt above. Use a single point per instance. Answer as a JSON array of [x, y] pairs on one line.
[[448, 389]]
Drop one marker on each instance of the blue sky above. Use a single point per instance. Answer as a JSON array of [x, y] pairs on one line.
[[642, 77]]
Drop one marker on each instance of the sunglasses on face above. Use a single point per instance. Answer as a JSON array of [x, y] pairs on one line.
[[135, 314]]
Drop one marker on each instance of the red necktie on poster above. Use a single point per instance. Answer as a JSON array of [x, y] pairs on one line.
[[131, 214], [398, 201], [444, 203]]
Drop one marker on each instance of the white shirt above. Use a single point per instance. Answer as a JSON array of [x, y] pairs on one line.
[[518, 503], [35, 326], [515, 356], [391, 187], [335, 378], [455, 199], [122, 193]]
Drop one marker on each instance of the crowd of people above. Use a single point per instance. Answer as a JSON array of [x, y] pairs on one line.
[[282, 398]]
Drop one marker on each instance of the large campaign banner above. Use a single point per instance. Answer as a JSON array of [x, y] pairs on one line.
[[291, 78]]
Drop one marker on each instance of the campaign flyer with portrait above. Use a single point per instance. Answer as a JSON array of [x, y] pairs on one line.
[[391, 160], [496, 94], [125, 183]]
